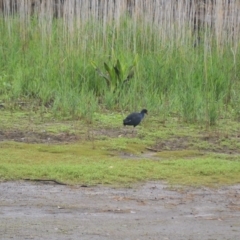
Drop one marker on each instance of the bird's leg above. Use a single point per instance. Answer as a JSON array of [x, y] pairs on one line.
[[124, 131], [133, 131]]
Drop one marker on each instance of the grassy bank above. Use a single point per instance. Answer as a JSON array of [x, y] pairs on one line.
[[73, 164], [95, 64], [105, 153]]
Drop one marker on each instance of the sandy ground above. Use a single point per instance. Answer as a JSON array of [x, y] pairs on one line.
[[44, 210]]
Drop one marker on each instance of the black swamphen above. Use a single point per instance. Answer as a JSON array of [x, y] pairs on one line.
[[134, 119]]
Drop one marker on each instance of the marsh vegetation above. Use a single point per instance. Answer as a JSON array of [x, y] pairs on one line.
[[185, 57]]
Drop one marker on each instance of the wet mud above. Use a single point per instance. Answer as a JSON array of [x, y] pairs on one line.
[[47, 210]]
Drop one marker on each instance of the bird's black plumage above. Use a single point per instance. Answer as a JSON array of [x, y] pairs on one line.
[[134, 118]]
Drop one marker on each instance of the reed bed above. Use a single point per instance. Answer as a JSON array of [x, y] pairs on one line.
[[185, 56]]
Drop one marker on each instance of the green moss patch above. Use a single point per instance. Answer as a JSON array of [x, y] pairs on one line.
[[81, 164]]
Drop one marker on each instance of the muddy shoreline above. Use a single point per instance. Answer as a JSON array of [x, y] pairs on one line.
[[42, 210]]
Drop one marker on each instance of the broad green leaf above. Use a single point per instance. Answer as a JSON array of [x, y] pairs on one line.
[[119, 70], [107, 68], [111, 74]]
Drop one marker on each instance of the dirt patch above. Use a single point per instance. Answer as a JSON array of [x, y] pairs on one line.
[[227, 144], [107, 132], [206, 143], [173, 144], [36, 137], [52, 211], [44, 137], [63, 137]]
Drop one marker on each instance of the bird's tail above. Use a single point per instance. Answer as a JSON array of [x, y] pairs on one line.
[[126, 121]]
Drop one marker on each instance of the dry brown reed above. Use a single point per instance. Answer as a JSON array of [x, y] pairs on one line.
[[170, 20]]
